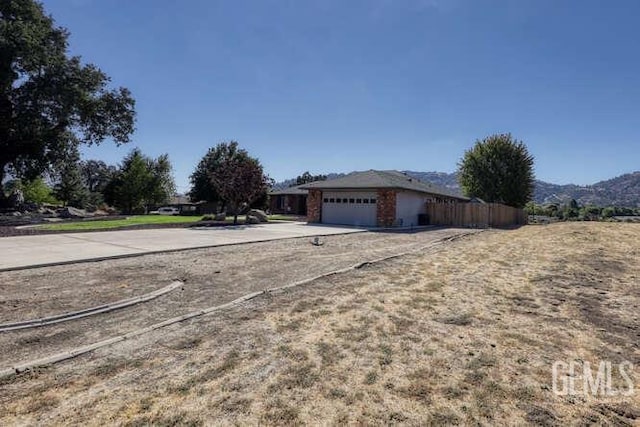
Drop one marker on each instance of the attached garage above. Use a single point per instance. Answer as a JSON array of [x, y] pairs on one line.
[[349, 208], [374, 199]]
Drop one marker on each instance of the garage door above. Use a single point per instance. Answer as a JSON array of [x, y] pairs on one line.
[[349, 208]]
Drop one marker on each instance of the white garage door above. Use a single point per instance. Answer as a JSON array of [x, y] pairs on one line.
[[349, 208]]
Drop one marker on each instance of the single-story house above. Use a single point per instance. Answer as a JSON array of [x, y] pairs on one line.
[[187, 207], [374, 199], [291, 201]]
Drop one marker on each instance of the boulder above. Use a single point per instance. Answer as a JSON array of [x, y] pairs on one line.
[[71, 212], [261, 215], [252, 220], [46, 212], [220, 216]]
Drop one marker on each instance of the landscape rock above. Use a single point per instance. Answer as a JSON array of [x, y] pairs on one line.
[[261, 215], [220, 216], [252, 220], [71, 212], [47, 212]]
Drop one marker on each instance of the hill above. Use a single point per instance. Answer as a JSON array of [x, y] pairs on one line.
[[623, 190]]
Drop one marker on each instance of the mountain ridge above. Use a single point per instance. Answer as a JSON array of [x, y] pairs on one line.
[[622, 190]]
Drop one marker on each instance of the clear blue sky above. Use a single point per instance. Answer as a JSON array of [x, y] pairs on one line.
[[335, 86]]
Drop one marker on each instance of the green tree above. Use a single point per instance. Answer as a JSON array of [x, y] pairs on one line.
[[202, 189], [71, 189], [161, 186], [499, 169], [50, 102], [307, 177], [571, 210], [35, 191], [239, 179], [96, 174], [140, 182], [608, 212]]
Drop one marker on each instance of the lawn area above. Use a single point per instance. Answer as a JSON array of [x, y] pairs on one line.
[[286, 218], [136, 220], [119, 223]]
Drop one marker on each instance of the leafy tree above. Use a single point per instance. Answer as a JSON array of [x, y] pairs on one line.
[[71, 189], [498, 169], [238, 178], [140, 182], [161, 187], [96, 174], [35, 191], [201, 186], [50, 102], [307, 177], [590, 213], [608, 212]]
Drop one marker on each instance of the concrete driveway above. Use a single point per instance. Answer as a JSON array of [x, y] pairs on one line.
[[31, 251]]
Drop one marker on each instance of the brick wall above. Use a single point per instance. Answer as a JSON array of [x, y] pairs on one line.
[[314, 206], [386, 208]]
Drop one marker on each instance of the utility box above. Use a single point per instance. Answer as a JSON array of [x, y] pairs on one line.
[[423, 219]]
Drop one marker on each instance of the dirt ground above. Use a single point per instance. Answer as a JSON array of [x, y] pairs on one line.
[[211, 277], [466, 333]]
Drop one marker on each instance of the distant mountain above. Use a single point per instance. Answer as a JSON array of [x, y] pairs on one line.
[[623, 190]]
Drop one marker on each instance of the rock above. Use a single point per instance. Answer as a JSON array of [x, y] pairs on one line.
[[252, 220], [261, 215], [31, 207], [46, 212], [220, 216], [16, 198], [71, 212]]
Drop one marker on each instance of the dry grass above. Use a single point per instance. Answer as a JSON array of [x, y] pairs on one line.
[[465, 335]]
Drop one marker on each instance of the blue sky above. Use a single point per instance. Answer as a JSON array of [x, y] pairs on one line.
[[335, 86]]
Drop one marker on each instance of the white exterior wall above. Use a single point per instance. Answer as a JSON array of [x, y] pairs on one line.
[[408, 205], [359, 214]]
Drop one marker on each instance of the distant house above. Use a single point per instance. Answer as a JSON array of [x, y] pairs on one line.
[[289, 201], [187, 207], [374, 199]]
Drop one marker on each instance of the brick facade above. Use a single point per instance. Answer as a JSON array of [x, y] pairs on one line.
[[386, 208], [314, 206]]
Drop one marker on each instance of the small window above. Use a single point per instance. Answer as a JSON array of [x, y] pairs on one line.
[[373, 200], [352, 200], [345, 201], [332, 200], [338, 200], [326, 200], [358, 200], [365, 200]]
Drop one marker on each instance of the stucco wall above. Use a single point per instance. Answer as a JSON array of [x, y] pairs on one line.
[[408, 205]]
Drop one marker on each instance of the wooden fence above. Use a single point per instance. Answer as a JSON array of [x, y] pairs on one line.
[[478, 215]]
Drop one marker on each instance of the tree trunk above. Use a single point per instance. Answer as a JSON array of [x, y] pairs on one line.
[[235, 219], [4, 200]]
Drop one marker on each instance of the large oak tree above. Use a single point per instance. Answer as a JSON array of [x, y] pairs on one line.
[[50, 102]]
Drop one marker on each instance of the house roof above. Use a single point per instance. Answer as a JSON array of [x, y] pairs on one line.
[[373, 179], [295, 190]]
